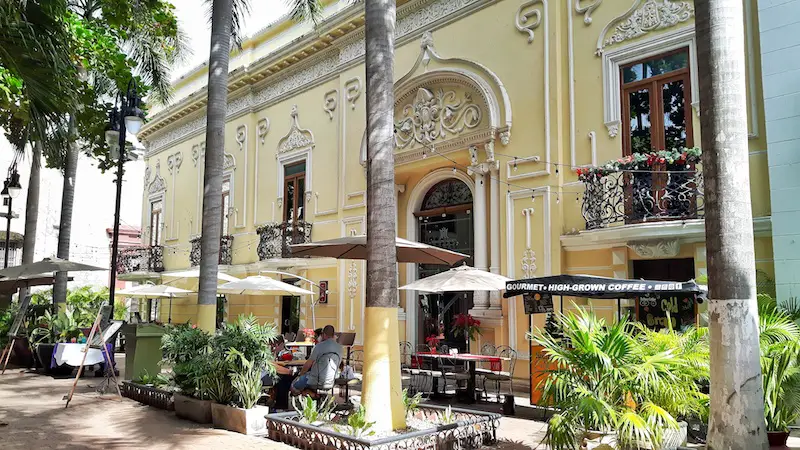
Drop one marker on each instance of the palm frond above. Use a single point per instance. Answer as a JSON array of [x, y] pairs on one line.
[[303, 10]]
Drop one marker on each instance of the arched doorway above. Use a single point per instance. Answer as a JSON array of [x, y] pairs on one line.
[[445, 220]]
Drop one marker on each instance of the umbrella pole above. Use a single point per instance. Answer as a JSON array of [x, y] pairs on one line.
[[169, 316]]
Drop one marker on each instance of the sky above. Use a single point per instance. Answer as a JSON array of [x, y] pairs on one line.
[[193, 20]]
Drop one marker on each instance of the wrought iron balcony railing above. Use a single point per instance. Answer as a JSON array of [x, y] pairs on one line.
[[225, 250], [275, 238], [665, 192], [140, 259]]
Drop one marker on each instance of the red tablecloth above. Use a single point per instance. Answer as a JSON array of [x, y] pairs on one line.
[[495, 362]]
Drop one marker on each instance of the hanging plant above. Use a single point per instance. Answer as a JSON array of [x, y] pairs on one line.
[[642, 161]]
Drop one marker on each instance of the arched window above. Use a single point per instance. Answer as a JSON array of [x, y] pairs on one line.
[[447, 193]]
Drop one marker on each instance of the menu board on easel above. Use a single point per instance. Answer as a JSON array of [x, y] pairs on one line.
[[652, 311]]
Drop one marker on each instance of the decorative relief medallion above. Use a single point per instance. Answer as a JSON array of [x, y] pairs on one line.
[[505, 137], [297, 138], [241, 136], [431, 117], [262, 129], [329, 102], [199, 154], [174, 162], [158, 184], [528, 19], [353, 89], [643, 17], [656, 249], [528, 263], [147, 175], [587, 10]]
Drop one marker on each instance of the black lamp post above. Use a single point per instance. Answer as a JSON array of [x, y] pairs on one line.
[[11, 189], [127, 118]]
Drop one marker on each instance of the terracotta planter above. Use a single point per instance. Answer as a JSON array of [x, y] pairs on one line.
[[777, 438], [244, 421], [192, 409]]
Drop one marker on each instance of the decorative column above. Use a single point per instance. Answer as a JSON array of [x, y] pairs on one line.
[[478, 171], [494, 227]]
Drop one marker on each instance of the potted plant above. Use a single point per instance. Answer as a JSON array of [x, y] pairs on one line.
[[244, 415], [186, 348], [780, 366], [608, 385], [467, 326], [308, 334], [432, 341]]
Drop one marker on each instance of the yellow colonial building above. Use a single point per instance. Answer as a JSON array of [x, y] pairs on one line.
[[497, 103]]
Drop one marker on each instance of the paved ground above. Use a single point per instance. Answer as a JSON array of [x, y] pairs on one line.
[[32, 407]]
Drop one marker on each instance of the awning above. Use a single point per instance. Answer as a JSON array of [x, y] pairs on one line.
[[599, 287]]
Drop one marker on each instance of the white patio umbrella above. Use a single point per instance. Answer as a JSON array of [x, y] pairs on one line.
[[261, 285], [464, 278], [192, 276], [47, 265], [159, 291], [355, 247]]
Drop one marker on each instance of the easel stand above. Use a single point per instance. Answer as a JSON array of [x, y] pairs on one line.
[[110, 377], [17, 331], [6, 355]]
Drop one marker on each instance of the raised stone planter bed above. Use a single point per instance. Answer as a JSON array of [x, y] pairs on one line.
[[193, 409], [148, 395], [471, 429], [245, 421]]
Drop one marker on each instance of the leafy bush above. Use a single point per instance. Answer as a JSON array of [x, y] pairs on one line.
[[157, 380], [411, 403], [780, 361], [186, 347], [310, 411], [245, 379], [250, 338], [357, 425]]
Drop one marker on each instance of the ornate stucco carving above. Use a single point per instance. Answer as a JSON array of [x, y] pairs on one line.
[[158, 184], [297, 138], [528, 18], [528, 263], [643, 17], [353, 89], [587, 10], [241, 136], [432, 116], [174, 162], [229, 162], [656, 249], [199, 154], [352, 281], [262, 129], [329, 102], [147, 175]]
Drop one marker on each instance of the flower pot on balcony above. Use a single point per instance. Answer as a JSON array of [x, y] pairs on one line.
[[244, 421], [193, 409]]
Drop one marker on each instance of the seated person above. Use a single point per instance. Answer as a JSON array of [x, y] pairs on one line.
[[320, 369], [279, 350]]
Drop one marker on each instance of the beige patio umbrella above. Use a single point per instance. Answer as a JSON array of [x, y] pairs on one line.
[[261, 285], [355, 247], [159, 291], [464, 278], [47, 265], [192, 278]]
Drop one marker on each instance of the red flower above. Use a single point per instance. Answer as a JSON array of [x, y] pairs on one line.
[[194, 326]]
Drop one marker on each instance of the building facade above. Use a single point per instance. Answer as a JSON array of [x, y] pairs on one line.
[[497, 103]]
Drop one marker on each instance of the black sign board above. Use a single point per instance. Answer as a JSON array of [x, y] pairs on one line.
[[323, 292], [599, 287], [537, 303], [652, 310]]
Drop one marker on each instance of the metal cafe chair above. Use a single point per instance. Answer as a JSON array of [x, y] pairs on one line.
[[498, 377]]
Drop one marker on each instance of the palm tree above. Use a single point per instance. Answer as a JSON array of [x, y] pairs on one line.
[[31, 209], [737, 403], [381, 355], [226, 25]]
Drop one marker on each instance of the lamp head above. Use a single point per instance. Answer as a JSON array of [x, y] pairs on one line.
[[13, 186]]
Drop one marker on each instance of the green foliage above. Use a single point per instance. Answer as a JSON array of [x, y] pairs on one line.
[[250, 338], [84, 303], [120, 310], [620, 378], [411, 402], [61, 327], [157, 380], [357, 425], [245, 379], [6, 319], [310, 412], [448, 416], [780, 361], [186, 347]]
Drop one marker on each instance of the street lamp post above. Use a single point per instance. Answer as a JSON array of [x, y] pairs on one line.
[[127, 118], [11, 189]]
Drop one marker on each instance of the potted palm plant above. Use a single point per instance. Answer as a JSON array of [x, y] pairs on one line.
[[186, 349], [609, 386], [244, 415]]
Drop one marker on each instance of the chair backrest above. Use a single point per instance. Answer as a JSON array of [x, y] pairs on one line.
[[488, 349], [326, 368], [290, 336], [508, 352], [406, 350], [357, 360], [444, 349]]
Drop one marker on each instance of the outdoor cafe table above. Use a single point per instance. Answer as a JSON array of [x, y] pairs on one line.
[[308, 346], [495, 364]]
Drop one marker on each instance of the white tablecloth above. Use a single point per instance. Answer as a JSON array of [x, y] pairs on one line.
[[72, 354]]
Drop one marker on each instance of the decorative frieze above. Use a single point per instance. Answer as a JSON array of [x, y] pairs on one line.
[[643, 17], [666, 248], [432, 116], [158, 184], [297, 138]]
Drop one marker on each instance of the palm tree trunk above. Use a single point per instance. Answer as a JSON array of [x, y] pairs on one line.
[[215, 151], [382, 384], [65, 223], [737, 402], [31, 209]]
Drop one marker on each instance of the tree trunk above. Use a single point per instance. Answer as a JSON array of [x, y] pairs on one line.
[[382, 384], [65, 223], [737, 400], [215, 152], [31, 209]]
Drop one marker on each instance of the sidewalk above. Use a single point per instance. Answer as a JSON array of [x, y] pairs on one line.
[[32, 407]]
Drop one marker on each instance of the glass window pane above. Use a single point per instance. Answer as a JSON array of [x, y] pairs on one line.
[[288, 210], [639, 102], [301, 191], [674, 115], [655, 66], [294, 169], [226, 204], [226, 185]]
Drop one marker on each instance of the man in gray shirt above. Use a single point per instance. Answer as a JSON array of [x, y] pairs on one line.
[[320, 369]]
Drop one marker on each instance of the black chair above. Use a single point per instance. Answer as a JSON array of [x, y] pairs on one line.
[[499, 376], [356, 361]]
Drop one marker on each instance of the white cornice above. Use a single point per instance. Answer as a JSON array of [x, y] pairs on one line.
[[686, 231], [302, 64]]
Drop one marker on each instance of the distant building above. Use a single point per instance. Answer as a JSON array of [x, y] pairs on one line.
[[129, 241], [14, 249]]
